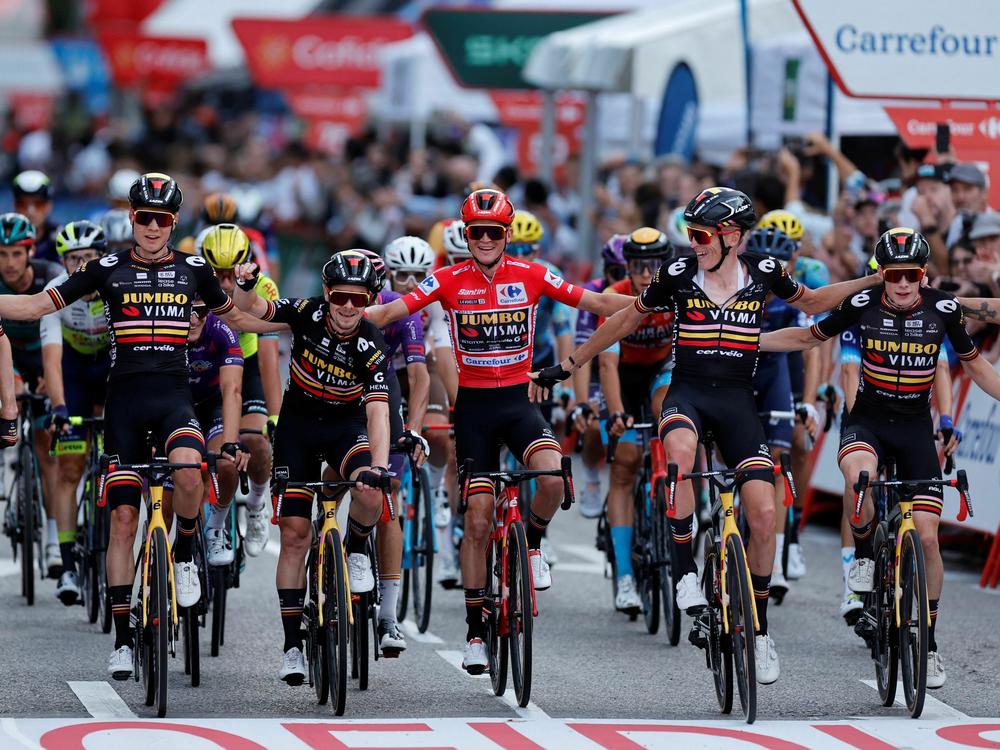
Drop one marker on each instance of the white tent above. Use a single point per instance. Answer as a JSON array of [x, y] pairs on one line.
[[29, 66], [211, 21]]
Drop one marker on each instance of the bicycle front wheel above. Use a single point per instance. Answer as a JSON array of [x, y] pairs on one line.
[[646, 574], [496, 644], [913, 622], [719, 650], [663, 549], [880, 605], [519, 611], [741, 625], [422, 566], [335, 620], [159, 623], [29, 521]]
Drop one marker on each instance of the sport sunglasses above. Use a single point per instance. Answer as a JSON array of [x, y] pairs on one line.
[[897, 275], [493, 231], [704, 236], [199, 309], [163, 220], [358, 299], [639, 266], [412, 277]]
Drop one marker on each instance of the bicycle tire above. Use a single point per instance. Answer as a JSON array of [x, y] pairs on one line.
[[497, 646], [664, 550], [219, 592], [740, 624], [160, 620], [719, 655], [519, 612], [26, 510], [647, 581], [914, 625], [406, 522], [335, 621], [316, 654], [359, 639], [880, 601], [192, 653], [424, 555]]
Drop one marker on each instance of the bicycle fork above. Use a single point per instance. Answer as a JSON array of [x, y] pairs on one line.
[[729, 529], [906, 525]]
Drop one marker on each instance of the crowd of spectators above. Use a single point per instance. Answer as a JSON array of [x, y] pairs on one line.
[[378, 187]]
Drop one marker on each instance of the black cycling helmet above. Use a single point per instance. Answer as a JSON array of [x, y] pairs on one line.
[[155, 191], [351, 267], [902, 245], [772, 241], [721, 208], [31, 184], [646, 242]]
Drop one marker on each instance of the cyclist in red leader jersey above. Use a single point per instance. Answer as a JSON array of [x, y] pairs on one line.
[[490, 300]]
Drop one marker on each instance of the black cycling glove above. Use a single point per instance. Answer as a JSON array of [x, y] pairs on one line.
[[547, 377], [377, 477]]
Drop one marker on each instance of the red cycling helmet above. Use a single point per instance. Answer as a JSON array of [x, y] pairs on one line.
[[488, 206]]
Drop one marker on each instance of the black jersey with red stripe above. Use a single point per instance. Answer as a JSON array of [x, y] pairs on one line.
[[329, 372], [147, 305], [899, 348], [713, 342]]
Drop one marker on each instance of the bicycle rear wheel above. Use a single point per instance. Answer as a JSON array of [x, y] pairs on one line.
[[519, 611], [914, 622], [159, 624], [741, 626], [27, 509], [663, 550], [647, 580], [880, 604], [335, 620], [219, 596], [361, 603], [422, 560], [719, 656], [497, 645]]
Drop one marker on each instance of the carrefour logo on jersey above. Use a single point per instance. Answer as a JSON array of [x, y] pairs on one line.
[[512, 294]]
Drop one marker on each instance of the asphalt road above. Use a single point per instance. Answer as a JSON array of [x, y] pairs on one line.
[[589, 660]]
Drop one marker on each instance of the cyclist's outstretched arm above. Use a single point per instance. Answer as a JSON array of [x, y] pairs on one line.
[[383, 315], [247, 299], [420, 387], [983, 375], [788, 340], [8, 399], [985, 309], [378, 431], [605, 304], [815, 301], [26, 306], [231, 385], [612, 330], [242, 321]]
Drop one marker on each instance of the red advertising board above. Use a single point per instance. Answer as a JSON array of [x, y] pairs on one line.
[[157, 61], [522, 110], [110, 11], [331, 50], [331, 116]]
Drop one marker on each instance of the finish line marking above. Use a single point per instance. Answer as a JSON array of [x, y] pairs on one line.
[[938, 709], [101, 700]]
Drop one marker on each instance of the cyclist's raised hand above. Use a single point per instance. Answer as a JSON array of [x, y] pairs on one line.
[[238, 453], [948, 434], [246, 275], [618, 423]]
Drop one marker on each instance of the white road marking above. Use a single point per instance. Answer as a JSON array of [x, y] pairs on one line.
[[934, 710], [531, 711], [101, 700], [9, 567], [9, 727], [410, 629], [586, 552], [569, 567]]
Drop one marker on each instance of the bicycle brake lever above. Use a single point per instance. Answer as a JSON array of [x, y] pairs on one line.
[[671, 486], [860, 489], [567, 477]]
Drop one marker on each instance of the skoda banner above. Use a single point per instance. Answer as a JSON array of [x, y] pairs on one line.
[[902, 49]]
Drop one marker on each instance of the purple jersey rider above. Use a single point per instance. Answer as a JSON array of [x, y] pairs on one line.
[[216, 347]]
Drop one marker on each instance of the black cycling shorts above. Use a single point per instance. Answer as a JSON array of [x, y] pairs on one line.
[[907, 439], [139, 403], [727, 410], [209, 415], [773, 392], [488, 418], [85, 381], [303, 441], [253, 388]]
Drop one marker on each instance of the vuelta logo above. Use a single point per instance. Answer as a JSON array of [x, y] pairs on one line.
[[130, 311]]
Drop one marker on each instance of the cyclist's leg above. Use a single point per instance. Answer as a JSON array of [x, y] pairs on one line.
[[389, 540], [860, 449], [254, 418], [774, 393], [477, 438], [680, 426]]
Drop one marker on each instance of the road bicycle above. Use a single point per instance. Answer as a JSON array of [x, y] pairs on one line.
[[896, 616], [726, 628], [652, 547], [509, 603], [328, 615], [416, 509], [155, 614], [25, 516]]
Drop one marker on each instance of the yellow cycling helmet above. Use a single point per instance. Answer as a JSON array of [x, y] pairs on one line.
[[785, 221], [224, 246], [526, 229]]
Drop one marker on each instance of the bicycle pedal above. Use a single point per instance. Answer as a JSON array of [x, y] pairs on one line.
[[695, 611], [778, 595], [852, 617], [391, 653]]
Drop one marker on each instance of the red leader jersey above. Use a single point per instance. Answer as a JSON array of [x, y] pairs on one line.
[[492, 321]]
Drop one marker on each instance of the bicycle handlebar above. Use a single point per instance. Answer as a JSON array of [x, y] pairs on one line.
[[510, 478], [155, 470], [282, 483], [959, 483], [613, 440]]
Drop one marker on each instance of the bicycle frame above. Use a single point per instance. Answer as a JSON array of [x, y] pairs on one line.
[[156, 521], [507, 511], [328, 507]]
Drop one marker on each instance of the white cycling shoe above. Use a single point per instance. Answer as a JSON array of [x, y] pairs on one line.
[[476, 660], [935, 670], [689, 593], [293, 667], [359, 573], [540, 574], [187, 584], [766, 658], [256, 537], [627, 599], [121, 663], [861, 576], [220, 548], [796, 562]]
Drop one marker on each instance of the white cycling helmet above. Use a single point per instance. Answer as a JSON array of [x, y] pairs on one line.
[[120, 184], [408, 254], [117, 227], [454, 242]]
